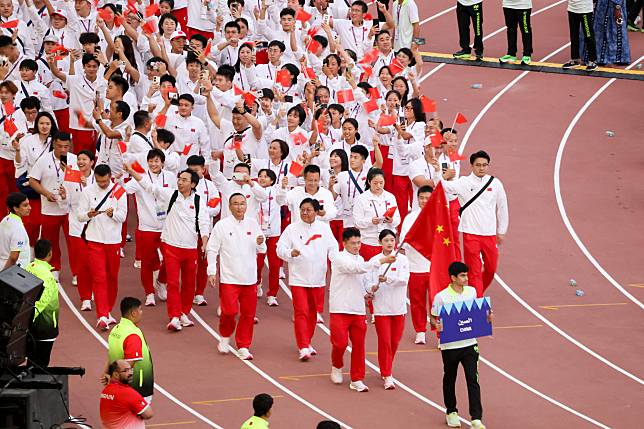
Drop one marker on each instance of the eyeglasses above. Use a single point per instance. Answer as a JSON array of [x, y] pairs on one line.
[[409, 108], [129, 369]]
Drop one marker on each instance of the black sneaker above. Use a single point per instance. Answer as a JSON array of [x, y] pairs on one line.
[[591, 66], [570, 64], [479, 57], [462, 54]]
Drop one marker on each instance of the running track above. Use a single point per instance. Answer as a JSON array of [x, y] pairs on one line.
[[522, 130]]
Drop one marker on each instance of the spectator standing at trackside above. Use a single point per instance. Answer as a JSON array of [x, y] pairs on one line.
[[464, 352], [467, 10], [484, 218], [126, 341], [262, 410], [121, 406], [44, 326], [407, 30], [611, 33], [14, 240], [347, 290], [580, 15], [517, 13]]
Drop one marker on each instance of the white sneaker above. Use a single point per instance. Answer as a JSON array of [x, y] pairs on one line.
[[75, 281], [255, 320], [103, 324], [358, 386], [175, 325], [185, 321], [222, 347], [128, 238], [282, 273], [420, 338], [272, 301], [122, 253], [244, 354], [477, 424], [453, 421], [305, 354], [336, 375], [137, 263], [260, 292], [200, 301], [111, 320], [312, 350], [219, 311], [86, 305], [320, 319], [162, 290], [389, 383], [149, 300], [373, 319]]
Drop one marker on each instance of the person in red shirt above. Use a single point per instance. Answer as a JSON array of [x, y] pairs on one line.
[[121, 406]]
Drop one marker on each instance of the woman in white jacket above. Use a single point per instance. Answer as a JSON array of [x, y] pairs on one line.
[[389, 292]]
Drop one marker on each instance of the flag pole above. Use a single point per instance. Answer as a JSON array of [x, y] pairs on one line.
[[389, 265], [454, 122]]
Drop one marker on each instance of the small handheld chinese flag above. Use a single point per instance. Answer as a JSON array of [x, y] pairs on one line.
[[148, 27], [371, 105], [386, 120], [237, 90], [302, 15], [296, 169], [313, 46], [436, 139], [313, 31], [283, 78], [207, 49], [374, 93], [72, 175], [429, 106], [118, 20], [298, 139], [369, 57], [214, 202], [9, 108], [59, 48], [118, 191], [106, 14], [122, 147], [81, 119], [455, 156], [396, 67], [10, 24], [160, 120], [368, 17], [136, 166], [344, 96], [249, 98], [390, 212], [60, 94], [366, 74], [151, 10], [10, 127], [460, 118], [308, 72]]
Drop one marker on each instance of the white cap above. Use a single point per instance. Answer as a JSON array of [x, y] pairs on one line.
[[60, 12], [178, 34]]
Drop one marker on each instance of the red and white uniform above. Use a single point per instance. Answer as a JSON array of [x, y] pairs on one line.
[[404, 152], [234, 243], [390, 307], [109, 151], [82, 97], [295, 196], [349, 283], [254, 194], [103, 235], [121, 406], [270, 220], [368, 206], [209, 193], [480, 223], [191, 136], [348, 192], [249, 146], [306, 272], [354, 37]]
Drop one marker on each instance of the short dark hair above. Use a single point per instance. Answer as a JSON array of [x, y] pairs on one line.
[[42, 248], [121, 83], [262, 404], [480, 154], [187, 97], [311, 168], [87, 153], [28, 64], [30, 102], [14, 200], [123, 108], [140, 117], [194, 177], [232, 24], [128, 304], [156, 153], [226, 71], [362, 4], [199, 38], [196, 160], [315, 203], [384, 233], [300, 112], [113, 367], [350, 233], [423, 189], [373, 172], [242, 165], [5, 41], [62, 136], [270, 173], [283, 147], [456, 268], [287, 11], [235, 194], [328, 424], [164, 135], [277, 43], [90, 37], [102, 170], [360, 150], [87, 58]]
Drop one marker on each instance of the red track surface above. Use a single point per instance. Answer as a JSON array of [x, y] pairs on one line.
[[601, 187]]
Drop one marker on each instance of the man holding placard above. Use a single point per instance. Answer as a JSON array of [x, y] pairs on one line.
[[465, 351]]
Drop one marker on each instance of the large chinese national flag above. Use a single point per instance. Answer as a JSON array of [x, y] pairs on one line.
[[432, 236]]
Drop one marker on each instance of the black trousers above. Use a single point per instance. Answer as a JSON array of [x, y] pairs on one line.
[[633, 10], [583, 21], [518, 18], [39, 352], [469, 358], [465, 14]]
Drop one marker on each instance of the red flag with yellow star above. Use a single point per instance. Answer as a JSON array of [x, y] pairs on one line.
[[432, 236]]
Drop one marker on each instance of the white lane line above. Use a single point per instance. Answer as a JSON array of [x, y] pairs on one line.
[[156, 386], [536, 392], [439, 14], [374, 367], [560, 203], [494, 33], [497, 277], [270, 379]]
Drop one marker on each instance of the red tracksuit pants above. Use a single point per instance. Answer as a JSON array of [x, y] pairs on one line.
[[389, 330], [403, 193], [51, 226], [7, 183], [367, 252], [418, 299], [454, 207], [202, 270], [106, 262], [337, 227], [84, 140], [480, 276], [180, 264], [343, 328], [240, 299], [305, 307], [274, 264], [149, 242], [79, 263]]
